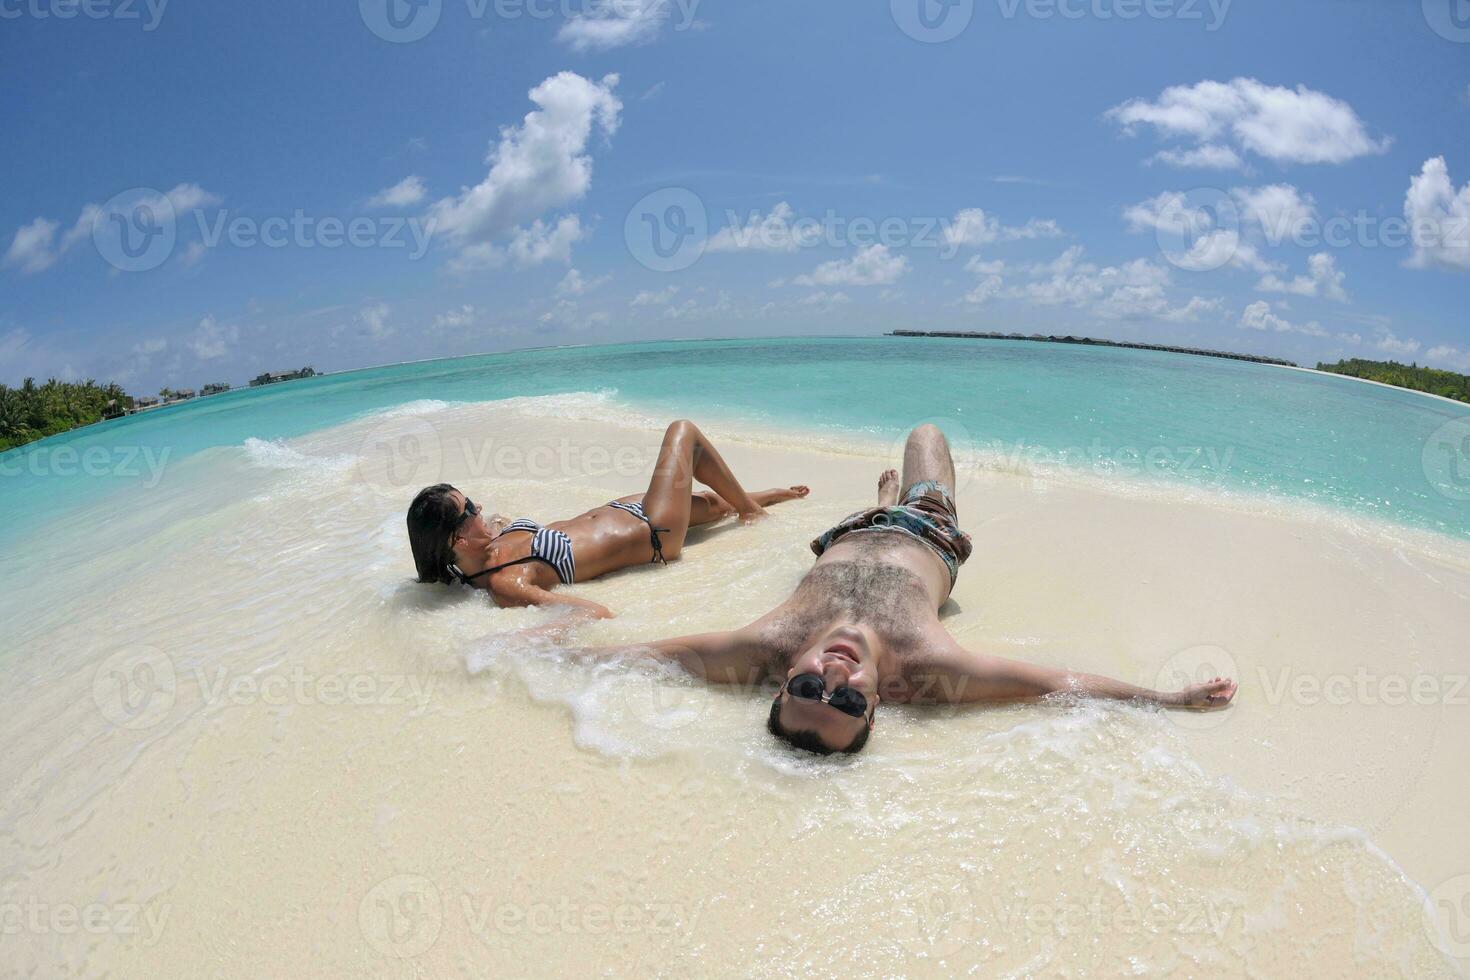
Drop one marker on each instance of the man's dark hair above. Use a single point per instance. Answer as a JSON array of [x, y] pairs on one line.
[[810, 740]]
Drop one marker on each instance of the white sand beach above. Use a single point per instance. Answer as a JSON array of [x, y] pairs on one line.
[[258, 741]]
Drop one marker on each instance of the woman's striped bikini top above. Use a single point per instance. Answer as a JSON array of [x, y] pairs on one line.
[[548, 546]]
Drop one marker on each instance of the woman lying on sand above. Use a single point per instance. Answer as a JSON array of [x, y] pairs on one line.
[[520, 562]]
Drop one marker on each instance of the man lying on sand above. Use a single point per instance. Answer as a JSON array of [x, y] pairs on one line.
[[519, 562], [863, 626]]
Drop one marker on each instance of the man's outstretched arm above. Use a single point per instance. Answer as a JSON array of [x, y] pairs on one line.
[[957, 675], [727, 657]]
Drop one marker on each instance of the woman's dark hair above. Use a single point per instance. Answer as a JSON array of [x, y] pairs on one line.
[[432, 519]]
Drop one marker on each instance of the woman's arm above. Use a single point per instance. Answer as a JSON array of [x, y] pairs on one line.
[[513, 593]]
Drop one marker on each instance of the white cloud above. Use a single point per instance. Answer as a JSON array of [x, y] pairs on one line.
[[373, 321], [212, 340], [614, 23], [693, 309], [778, 231], [1212, 240], [1390, 343], [1221, 248], [408, 191], [193, 254], [973, 227], [1131, 291], [31, 248], [1323, 278], [36, 248], [1034, 228], [569, 314], [1449, 357], [824, 300], [1279, 210], [455, 319], [544, 243], [1224, 120], [1191, 311], [1210, 156], [872, 266], [575, 284], [1258, 316], [532, 245], [987, 289], [660, 297], [1439, 218], [538, 166]]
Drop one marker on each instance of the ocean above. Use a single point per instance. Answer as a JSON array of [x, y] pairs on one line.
[[241, 738]]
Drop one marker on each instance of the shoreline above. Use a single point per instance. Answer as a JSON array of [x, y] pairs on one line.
[[1082, 342], [1040, 467], [1075, 341], [1382, 384]]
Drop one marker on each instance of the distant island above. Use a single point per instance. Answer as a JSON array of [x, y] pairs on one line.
[[34, 411], [1433, 381], [1092, 342]]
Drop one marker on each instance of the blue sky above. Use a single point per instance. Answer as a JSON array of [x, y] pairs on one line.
[[1290, 179]]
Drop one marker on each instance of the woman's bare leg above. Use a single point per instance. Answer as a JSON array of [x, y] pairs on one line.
[[706, 506], [687, 455]]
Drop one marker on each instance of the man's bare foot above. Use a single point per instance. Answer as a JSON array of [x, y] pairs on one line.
[[751, 516], [888, 488], [780, 494], [1211, 694]]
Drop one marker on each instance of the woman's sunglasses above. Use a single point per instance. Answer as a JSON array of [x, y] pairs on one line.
[[811, 687], [470, 510]]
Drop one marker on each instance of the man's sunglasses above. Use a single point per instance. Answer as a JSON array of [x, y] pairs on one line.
[[811, 687]]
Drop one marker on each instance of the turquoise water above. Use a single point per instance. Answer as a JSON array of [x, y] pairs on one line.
[[1125, 414]]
